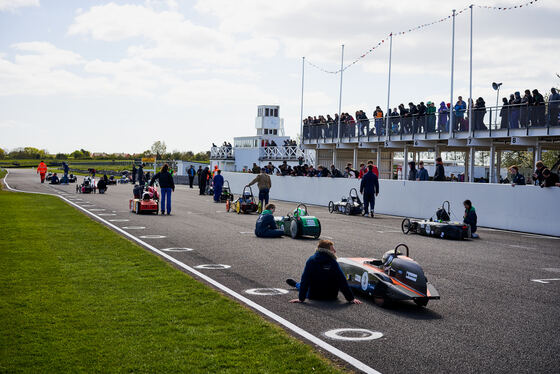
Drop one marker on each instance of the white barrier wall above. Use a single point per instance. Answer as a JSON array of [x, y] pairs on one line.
[[521, 208]]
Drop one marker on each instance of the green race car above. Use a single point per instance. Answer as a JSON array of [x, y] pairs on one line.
[[300, 223]]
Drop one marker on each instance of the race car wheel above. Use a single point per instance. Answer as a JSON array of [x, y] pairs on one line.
[[331, 207], [405, 226], [347, 209], [421, 302], [294, 229], [228, 205], [138, 207], [157, 208]]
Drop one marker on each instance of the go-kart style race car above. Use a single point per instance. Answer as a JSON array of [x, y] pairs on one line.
[[146, 200], [441, 227], [300, 223], [87, 186], [111, 180], [394, 277], [72, 178], [245, 203], [350, 205], [226, 193], [210, 187], [49, 176]]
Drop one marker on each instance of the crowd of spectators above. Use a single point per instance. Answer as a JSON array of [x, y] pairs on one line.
[[529, 110]]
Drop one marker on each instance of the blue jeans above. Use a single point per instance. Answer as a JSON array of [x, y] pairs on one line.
[[263, 196], [165, 199]]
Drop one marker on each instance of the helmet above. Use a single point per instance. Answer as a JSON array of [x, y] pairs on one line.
[[389, 256], [146, 196], [299, 212]]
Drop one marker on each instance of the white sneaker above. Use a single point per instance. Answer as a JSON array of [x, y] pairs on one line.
[[475, 236]]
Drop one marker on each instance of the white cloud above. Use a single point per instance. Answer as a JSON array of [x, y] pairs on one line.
[[12, 5]]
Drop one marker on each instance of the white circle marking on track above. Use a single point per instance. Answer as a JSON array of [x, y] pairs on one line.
[[212, 266], [177, 249], [359, 334]]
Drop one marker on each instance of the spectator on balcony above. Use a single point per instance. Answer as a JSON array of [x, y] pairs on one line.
[[431, 114], [394, 121], [378, 116], [273, 143], [412, 172], [413, 115], [335, 173], [550, 179], [439, 175], [361, 127], [422, 174], [337, 123], [330, 126], [525, 113], [283, 168], [264, 183], [421, 126], [479, 113], [539, 109], [554, 106], [515, 103], [516, 178], [504, 114], [351, 125], [214, 145], [404, 119], [459, 114], [443, 117]]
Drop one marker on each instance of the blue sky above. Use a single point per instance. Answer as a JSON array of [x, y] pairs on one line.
[[117, 75]]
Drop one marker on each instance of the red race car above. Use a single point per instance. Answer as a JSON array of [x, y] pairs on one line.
[[146, 200]]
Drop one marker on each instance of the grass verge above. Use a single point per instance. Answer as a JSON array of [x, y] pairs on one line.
[[75, 296]]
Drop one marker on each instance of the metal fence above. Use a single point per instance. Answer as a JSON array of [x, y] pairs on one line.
[[484, 119]]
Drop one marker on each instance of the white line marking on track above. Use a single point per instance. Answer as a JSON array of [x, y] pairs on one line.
[[97, 210], [134, 227], [284, 322], [119, 220], [545, 281], [355, 335], [554, 270], [177, 249], [152, 236], [327, 237], [213, 266], [246, 232], [540, 236], [266, 291], [106, 214]]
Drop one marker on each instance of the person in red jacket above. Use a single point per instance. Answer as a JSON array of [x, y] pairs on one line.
[[374, 168], [42, 171]]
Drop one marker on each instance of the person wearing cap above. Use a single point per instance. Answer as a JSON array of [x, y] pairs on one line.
[[431, 113], [322, 277]]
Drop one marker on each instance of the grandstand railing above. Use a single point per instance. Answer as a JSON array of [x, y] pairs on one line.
[[222, 153], [501, 121]]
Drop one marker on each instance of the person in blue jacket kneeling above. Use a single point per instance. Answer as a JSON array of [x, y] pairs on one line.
[[266, 226], [322, 277]]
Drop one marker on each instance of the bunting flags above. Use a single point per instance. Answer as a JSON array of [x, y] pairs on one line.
[[417, 28]]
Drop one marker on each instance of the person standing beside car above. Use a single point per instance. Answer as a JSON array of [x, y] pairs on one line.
[[264, 183], [369, 188], [166, 185]]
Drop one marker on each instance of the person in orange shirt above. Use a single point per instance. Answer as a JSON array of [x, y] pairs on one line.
[[42, 171]]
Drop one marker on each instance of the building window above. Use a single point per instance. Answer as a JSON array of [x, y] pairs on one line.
[[275, 132], [275, 112], [266, 112]]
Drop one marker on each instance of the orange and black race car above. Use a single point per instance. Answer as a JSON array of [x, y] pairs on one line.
[[394, 277]]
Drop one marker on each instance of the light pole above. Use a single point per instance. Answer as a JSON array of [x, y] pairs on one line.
[[301, 109], [340, 92], [496, 87], [452, 68]]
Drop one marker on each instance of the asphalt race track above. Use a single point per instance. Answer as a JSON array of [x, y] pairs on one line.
[[492, 317]]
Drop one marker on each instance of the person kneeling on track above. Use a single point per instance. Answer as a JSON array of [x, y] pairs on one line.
[[166, 185], [218, 185], [265, 226], [102, 186], [322, 277], [470, 217], [54, 179]]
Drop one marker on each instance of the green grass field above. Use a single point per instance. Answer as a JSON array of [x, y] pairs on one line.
[[76, 297]]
